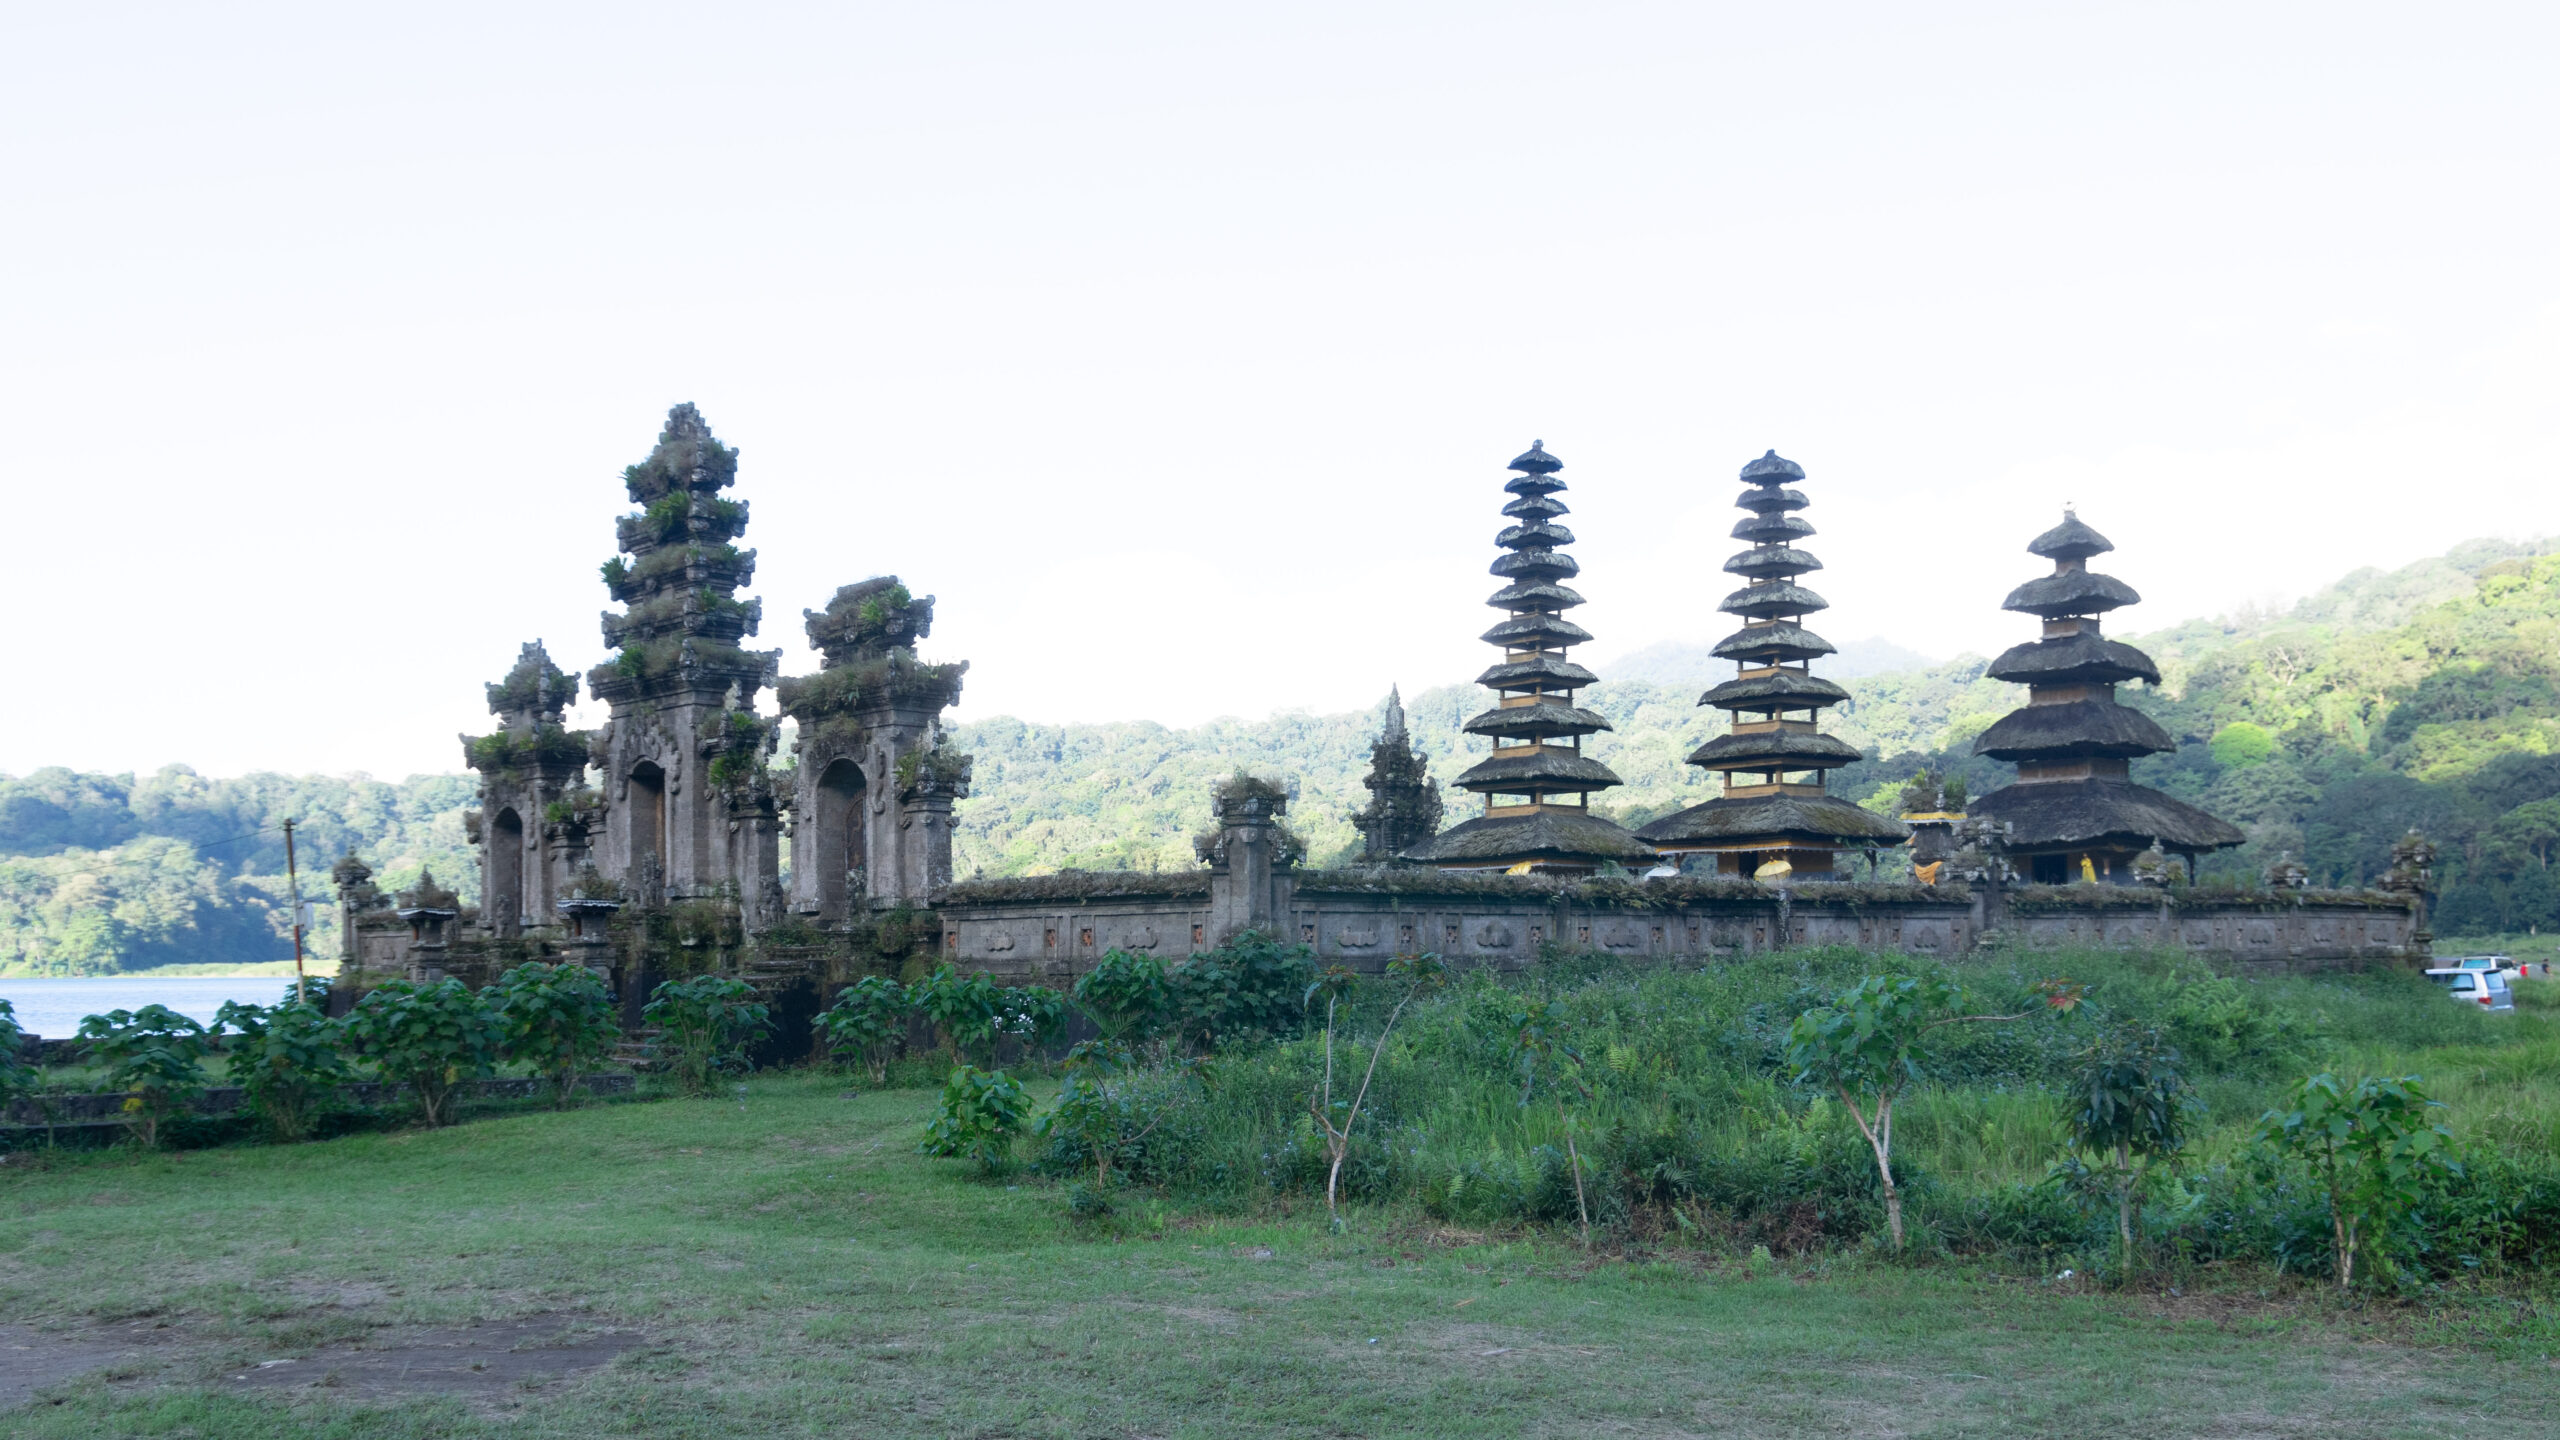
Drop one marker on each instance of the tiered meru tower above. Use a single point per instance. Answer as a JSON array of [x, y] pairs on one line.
[[2075, 812], [1765, 816], [689, 809], [1537, 784]]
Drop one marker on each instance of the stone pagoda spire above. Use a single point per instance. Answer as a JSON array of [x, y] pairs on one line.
[[689, 807], [1404, 806], [681, 623], [1537, 784], [2075, 812], [1764, 818]]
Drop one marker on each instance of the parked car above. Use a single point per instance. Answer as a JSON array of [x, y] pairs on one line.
[[2508, 963], [2485, 987]]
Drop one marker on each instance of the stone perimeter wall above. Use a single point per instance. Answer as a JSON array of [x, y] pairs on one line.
[[1045, 936], [1053, 928]]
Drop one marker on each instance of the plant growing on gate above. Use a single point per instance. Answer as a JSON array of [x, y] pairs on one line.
[[156, 1056], [1335, 1119], [556, 1018], [2130, 1108], [289, 1061], [1100, 1108], [704, 1024], [1537, 1043], [869, 1018], [428, 1037], [2370, 1146], [1869, 1044], [980, 1114]]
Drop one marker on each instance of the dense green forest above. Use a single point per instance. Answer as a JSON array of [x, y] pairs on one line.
[[2426, 696]]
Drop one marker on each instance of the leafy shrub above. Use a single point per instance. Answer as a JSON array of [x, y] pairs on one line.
[[1126, 997], [17, 1077], [1033, 1016], [2369, 1148], [868, 1019], [556, 1018], [1113, 1118], [2225, 1027], [705, 1023], [962, 1008], [156, 1056], [1252, 986], [428, 1037], [981, 1113], [289, 1062]]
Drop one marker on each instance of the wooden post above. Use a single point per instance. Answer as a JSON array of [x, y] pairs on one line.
[[293, 880]]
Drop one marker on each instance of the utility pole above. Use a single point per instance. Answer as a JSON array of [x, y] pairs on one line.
[[293, 878]]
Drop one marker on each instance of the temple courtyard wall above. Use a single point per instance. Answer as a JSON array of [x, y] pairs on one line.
[[1053, 928]]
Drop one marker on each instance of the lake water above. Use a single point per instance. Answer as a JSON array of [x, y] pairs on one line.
[[54, 1007]]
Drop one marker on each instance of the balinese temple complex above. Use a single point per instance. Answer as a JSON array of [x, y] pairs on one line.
[[2075, 813], [1537, 784], [668, 841], [1774, 818]]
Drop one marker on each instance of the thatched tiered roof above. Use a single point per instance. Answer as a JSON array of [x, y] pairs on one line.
[[1772, 651], [2072, 739], [1537, 783]]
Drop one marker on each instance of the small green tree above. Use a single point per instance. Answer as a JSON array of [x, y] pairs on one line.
[[289, 1061], [2369, 1146], [556, 1018], [2130, 1107], [704, 1024], [1125, 996], [430, 1038], [156, 1056], [869, 1018], [18, 1078], [1869, 1044], [1335, 1119], [981, 1113]]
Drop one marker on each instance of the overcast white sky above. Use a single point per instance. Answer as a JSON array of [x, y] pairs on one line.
[[1178, 348]]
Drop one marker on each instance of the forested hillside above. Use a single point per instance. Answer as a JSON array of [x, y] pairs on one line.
[[2426, 696], [101, 873]]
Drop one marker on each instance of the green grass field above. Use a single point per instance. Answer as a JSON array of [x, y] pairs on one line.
[[778, 1262]]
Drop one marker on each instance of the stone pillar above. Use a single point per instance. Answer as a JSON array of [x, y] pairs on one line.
[[755, 850], [1243, 869], [924, 849]]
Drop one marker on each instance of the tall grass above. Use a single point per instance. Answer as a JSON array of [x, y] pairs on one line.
[[1693, 1128]]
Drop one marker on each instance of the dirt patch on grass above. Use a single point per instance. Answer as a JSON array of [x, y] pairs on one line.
[[479, 1363], [32, 1359]]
